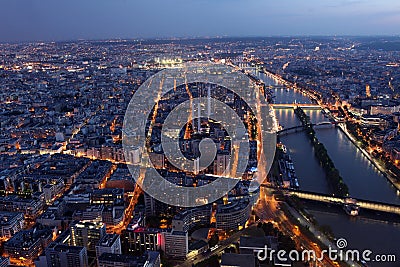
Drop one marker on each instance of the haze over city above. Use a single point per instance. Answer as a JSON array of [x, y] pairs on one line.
[[199, 133], [47, 20]]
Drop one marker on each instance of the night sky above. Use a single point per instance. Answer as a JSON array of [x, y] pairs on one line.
[[27, 20]]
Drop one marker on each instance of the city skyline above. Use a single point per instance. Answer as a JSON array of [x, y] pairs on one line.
[[90, 20], [199, 133]]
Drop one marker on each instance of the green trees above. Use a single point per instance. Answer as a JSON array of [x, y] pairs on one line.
[[332, 174]]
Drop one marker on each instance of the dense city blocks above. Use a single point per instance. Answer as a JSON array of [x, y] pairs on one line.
[[261, 146]]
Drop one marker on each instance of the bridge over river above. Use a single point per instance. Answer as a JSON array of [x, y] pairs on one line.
[[295, 105], [299, 128], [365, 204]]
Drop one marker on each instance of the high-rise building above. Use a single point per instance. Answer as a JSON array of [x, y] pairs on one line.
[[149, 205], [87, 234], [141, 239], [10, 223], [148, 259], [233, 215], [92, 213], [113, 215], [186, 220], [176, 244], [108, 196], [28, 244], [221, 164], [158, 160], [109, 243], [60, 255], [156, 207]]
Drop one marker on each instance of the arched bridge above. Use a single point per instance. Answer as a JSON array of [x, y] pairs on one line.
[[364, 204], [295, 105], [300, 128]]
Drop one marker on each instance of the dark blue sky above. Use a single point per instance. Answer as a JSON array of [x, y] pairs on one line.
[[23, 20]]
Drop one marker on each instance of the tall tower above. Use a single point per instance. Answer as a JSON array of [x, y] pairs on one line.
[[190, 124], [208, 102], [198, 117], [368, 91], [196, 166]]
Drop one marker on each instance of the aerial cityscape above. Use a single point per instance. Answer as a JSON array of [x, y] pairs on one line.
[[277, 150]]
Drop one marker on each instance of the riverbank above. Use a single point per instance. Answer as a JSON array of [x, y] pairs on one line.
[[365, 214], [377, 165], [311, 95], [320, 237], [362, 176], [382, 169], [335, 181]]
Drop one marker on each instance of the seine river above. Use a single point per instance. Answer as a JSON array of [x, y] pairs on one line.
[[360, 175]]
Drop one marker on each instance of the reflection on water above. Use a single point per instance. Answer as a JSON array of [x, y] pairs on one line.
[[360, 175], [362, 234], [282, 94], [310, 174], [363, 179]]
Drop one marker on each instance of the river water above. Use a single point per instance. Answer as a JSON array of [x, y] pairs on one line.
[[360, 175]]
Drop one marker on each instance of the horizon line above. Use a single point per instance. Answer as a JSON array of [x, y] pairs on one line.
[[181, 38]]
